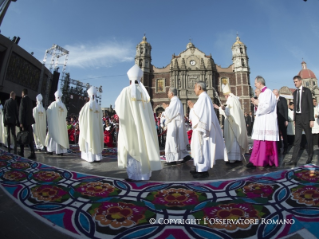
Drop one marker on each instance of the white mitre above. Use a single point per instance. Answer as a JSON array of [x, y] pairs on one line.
[[92, 94], [39, 102], [135, 74], [226, 90], [58, 94]]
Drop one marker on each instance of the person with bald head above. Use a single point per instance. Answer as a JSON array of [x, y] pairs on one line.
[[176, 137], [265, 131], [282, 118], [207, 143]]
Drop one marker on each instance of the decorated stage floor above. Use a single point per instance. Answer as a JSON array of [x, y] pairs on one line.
[[84, 200]]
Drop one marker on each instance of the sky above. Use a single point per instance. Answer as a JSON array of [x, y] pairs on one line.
[[101, 35]]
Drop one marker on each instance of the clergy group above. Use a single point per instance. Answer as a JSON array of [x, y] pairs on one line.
[[138, 139]]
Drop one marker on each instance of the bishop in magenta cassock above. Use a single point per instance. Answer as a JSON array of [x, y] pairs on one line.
[[265, 131]]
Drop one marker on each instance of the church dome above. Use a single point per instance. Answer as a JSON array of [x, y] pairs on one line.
[[305, 73], [238, 42], [144, 41]]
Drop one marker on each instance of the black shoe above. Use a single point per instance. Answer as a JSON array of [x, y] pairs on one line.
[[132, 180], [250, 165], [60, 154], [170, 164], [187, 158], [21, 154], [201, 175], [193, 171], [50, 153], [291, 162], [32, 156], [229, 163], [268, 166], [309, 160]]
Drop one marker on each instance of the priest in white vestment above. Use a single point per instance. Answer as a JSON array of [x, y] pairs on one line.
[[138, 149], [91, 129], [176, 137], [40, 125], [57, 139], [265, 131], [207, 143], [235, 130]]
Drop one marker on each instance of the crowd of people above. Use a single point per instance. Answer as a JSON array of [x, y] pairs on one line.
[[273, 125]]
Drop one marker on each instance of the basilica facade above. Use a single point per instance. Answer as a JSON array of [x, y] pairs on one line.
[[190, 66]]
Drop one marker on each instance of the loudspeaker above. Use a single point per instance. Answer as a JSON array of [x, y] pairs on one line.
[[54, 85]]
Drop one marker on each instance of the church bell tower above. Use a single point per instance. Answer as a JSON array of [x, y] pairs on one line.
[[143, 55], [240, 58]]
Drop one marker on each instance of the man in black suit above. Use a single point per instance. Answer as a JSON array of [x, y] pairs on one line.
[[26, 120], [282, 119], [10, 119], [303, 119]]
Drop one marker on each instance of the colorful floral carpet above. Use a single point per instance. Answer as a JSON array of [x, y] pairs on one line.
[[274, 205]]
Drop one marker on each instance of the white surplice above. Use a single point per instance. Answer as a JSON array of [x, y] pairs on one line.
[[57, 139], [207, 139], [235, 131], [266, 125], [176, 137], [137, 137], [40, 126], [91, 133], [290, 127], [315, 128]]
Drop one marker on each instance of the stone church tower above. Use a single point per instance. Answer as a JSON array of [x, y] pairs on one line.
[[143, 60]]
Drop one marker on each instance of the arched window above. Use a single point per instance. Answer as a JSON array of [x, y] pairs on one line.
[[307, 83], [241, 50], [242, 62]]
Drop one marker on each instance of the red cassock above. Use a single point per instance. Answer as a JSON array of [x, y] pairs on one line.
[[71, 134], [189, 134], [77, 133], [108, 138]]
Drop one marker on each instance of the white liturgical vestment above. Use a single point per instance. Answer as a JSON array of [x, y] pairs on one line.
[[91, 131], [57, 139], [40, 126], [207, 138], [235, 131], [266, 125], [291, 126], [138, 149], [176, 137]]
